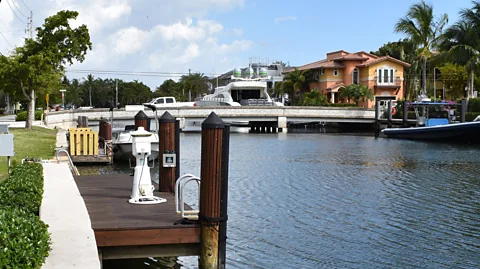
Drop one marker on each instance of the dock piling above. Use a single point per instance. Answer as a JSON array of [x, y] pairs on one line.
[[377, 119], [141, 119], [213, 192], [166, 144], [389, 113], [463, 109], [405, 114], [177, 148]]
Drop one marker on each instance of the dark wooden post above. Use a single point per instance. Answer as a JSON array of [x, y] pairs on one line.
[[405, 113], [107, 132], [141, 119], [377, 119], [101, 136], [389, 113], [213, 193], [166, 144], [177, 148], [222, 244], [463, 109]]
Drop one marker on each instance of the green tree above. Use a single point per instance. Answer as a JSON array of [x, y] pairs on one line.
[[134, 92], [39, 64], [461, 43], [74, 93], [357, 93], [170, 88], [314, 98], [89, 84], [195, 85], [423, 30], [454, 78], [295, 82]]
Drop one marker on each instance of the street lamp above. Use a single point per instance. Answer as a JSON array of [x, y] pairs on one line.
[[63, 97]]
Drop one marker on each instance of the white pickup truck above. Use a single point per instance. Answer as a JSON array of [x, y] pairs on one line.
[[161, 102]]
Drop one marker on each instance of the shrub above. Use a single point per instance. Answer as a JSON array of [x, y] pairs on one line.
[[474, 105], [24, 188], [314, 98], [342, 105], [22, 116], [24, 239], [469, 116]]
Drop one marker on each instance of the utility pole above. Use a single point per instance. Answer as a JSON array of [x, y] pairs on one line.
[[116, 92], [31, 24], [434, 85]]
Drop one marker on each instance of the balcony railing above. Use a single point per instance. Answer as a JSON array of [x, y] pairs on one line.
[[397, 82]]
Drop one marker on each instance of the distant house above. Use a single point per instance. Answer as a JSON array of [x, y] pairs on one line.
[[383, 75]]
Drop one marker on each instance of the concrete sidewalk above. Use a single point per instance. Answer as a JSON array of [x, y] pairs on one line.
[[63, 209], [18, 124]]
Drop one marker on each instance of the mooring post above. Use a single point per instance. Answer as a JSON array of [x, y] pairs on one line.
[[213, 193], [166, 145], [177, 148], [377, 119], [222, 240], [463, 109], [405, 114], [389, 113], [141, 119], [107, 139]]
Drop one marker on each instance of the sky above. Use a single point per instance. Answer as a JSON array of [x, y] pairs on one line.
[[171, 37]]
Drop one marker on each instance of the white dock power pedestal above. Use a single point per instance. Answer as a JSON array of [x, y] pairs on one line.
[[142, 189]]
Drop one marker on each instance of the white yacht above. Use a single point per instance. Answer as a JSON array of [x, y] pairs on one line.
[[250, 90], [122, 144]]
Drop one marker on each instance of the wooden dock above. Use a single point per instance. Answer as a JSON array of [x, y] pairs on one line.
[[123, 230], [101, 158]]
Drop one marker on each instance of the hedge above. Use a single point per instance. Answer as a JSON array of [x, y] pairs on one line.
[[473, 105], [22, 116], [24, 238], [24, 188]]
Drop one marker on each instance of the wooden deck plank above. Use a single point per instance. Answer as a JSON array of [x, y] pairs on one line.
[[119, 223]]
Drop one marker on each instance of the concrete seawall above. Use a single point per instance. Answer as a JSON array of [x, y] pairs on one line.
[[68, 118]]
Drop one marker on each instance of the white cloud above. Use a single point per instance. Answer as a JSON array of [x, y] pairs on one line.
[[237, 31], [129, 40], [139, 35], [286, 18]]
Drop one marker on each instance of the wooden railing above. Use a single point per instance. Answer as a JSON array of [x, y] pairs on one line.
[[83, 141]]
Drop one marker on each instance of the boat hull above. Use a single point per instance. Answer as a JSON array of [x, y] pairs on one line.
[[122, 146], [468, 132], [123, 152]]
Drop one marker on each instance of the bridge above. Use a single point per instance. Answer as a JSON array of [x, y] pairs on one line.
[[274, 116]]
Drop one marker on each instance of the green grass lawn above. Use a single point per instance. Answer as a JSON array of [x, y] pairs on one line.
[[36, 143]]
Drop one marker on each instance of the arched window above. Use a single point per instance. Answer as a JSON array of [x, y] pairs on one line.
[[355, 76]]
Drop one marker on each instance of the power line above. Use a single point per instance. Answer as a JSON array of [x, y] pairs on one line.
[[137, 72], [15, 13], [26, 6], [18, 8], [7, 40]]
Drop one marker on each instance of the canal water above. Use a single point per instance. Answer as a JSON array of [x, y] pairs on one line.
[[340, 201]]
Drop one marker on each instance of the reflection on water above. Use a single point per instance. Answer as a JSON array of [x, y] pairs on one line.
[[333, 201]]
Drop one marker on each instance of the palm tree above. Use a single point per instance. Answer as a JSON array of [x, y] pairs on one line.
[[196, 83], [461, 46], [90, 83], [461, 42], [357, 93], [295, 81], [420, 26]]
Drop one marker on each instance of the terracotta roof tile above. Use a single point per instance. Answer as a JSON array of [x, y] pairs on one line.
[[381, 59]]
